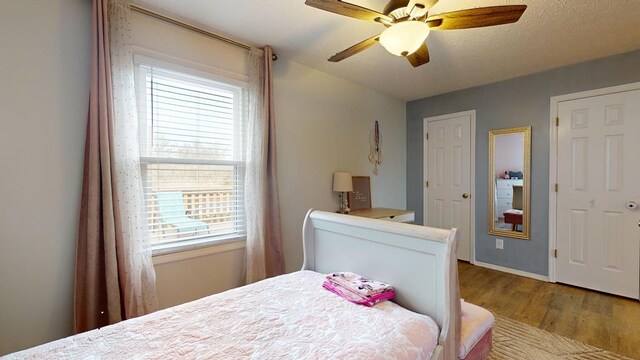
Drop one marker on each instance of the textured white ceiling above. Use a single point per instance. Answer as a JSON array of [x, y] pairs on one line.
[[550, 34]]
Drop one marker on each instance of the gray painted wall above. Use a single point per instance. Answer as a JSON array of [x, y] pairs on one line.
[[516, 102]]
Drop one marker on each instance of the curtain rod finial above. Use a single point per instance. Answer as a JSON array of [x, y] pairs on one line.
[[274, 56]]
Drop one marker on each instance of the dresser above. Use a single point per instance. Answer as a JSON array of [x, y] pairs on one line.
[[396, 215], [504, 195]]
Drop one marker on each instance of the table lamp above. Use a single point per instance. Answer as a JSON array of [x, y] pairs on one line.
[[342, 184]]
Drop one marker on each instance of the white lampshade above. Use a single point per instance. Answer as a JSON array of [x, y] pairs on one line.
[[342, 181], [405, 38]]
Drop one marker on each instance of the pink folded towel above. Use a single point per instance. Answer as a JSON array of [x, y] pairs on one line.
[[358, 283], [358, 289]]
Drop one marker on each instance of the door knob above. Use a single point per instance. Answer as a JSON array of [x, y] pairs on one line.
[[466, 195]]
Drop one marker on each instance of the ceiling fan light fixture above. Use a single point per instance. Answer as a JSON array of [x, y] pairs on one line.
[[405, 38]]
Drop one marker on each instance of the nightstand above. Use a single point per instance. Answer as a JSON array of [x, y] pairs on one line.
[[504, 195]]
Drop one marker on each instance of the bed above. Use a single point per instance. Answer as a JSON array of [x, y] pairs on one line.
[[291, 316]]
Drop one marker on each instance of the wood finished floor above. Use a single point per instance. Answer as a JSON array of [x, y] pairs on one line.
[[605, 321]]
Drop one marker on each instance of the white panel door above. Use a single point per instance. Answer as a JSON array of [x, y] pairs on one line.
[[598, 237], [448, 164]]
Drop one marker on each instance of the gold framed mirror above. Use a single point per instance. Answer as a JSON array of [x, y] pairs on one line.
[[509, 182]]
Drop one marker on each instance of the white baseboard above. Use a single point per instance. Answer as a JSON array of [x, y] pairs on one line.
[[513, 271]]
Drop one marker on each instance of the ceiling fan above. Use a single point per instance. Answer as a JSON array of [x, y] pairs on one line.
[[408, 24]]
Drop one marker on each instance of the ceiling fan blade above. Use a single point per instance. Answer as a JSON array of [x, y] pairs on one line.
[[430, 3], [474, 18], [348, 9], [419, 57], [359, 47]]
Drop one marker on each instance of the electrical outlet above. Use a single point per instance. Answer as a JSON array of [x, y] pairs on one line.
[[499, 244]]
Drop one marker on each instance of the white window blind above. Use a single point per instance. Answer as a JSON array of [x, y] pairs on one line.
[[192, 145]]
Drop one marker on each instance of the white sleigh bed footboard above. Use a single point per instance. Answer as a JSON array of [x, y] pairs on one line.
[[418, 261]]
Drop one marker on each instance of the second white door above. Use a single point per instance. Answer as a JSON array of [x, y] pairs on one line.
[[598, 238], [448, 154]]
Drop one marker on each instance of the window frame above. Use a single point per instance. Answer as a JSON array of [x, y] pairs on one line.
[[150, 58]]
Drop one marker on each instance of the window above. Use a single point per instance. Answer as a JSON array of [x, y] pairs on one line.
[[191, 154]]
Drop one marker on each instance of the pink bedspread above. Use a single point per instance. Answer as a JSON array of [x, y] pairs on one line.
[[287, 317]]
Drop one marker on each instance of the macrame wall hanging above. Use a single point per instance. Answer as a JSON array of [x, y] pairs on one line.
[[375, 147]]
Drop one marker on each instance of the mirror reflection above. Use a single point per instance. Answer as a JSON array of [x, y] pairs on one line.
[[508, 179]]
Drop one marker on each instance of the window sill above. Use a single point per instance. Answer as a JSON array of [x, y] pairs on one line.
[[187, 250]]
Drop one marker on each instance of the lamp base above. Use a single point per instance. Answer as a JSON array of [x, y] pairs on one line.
[[343, 205]]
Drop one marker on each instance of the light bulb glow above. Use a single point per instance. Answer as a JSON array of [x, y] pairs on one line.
[[405, 38]]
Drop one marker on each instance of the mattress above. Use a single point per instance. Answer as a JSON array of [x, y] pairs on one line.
[[286, 317]]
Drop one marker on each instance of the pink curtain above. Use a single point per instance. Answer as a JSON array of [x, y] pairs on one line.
[[110, 282], [265, 256], [274, 263]]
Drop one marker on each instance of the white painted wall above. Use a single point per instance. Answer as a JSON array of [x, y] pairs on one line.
[[323, 125], [178, 42], [190, 275], [44, 91]]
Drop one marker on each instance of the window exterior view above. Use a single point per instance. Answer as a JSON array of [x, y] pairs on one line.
[[191, 155]]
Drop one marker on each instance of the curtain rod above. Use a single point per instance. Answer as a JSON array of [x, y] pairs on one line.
[[198, 30]]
